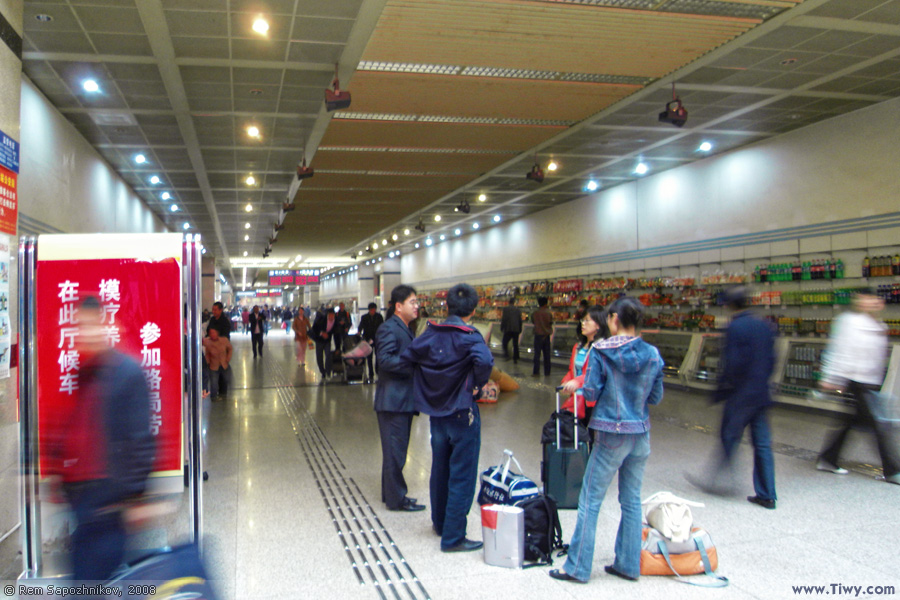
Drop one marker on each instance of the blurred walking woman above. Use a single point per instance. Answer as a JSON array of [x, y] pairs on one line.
[[300, 327], [624, 376]]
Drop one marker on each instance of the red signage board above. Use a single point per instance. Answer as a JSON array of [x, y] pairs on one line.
[[141, 298], [9, 201], [293, 277]]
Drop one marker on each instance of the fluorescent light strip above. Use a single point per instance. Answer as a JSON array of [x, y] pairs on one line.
[[511, 73], [414, 150], [448, 119]]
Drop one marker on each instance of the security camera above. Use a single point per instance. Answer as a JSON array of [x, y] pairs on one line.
[[675, 113], [535, 174]]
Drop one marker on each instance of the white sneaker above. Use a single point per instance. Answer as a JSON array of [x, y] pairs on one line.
[[825, 466]]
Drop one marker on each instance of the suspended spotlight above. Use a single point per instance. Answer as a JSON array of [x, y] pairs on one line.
[[304, 172], [155, 180], [369, 250], [675, 112], [463, 207], [288, 206], [335, 99], [536, 173], [279, 226], [421, 225]]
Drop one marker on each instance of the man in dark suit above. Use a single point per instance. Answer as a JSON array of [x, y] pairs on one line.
[[394, 397], [748, 356], [368, 326], [322, 330], [341, 327], [511, 326], [221, 323], [257, 330]]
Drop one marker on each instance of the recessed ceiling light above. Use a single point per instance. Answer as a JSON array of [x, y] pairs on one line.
[[395, 237], [155, 180], [429, 242], [251, 180], [705, 147], [90, 86], [249, 208], [482, 197], [261, 26], [406, 232], [245, 253], [140, 159], [247, 238], [186, 226], [391, 254], [299, 256], [165, 195], [384, 242], [375, 246], [203, 251], [417, 244], [592, 186], [246, 225], [496, 218], [443, 237], [44, 18], [552, 166], [437, 217], [475, 225], [641, 168], [458, 231], [174, 208], [253, 131]]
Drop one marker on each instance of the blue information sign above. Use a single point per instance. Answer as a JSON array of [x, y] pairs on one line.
[[9, 153]]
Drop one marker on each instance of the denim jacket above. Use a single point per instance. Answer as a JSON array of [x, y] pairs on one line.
[[624, 375]]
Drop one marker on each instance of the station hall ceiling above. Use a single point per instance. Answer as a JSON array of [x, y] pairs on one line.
[[452, 101]]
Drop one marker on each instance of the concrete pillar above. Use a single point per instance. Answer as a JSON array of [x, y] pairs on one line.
[[366, 282], [208, 279], [11, 19], [311, 296], [390, 276]]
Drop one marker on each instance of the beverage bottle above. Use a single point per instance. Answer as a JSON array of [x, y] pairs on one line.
[[797, 271], [895, 264], [805, 275], [834, 270], [763, 273], [876, 266], [839, 269], [866, 267], [885, 266], [826, 271], [756, 275]]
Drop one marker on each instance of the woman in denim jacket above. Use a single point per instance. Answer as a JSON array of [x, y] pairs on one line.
[[624, 376]]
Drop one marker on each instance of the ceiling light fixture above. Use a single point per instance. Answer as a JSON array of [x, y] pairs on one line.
[[246, 225], [247, 238], [245, 253], [675, 112], [249, 208], [482, 197], [463, 207], [335, 99], [496, 218], [552, 166], [536, 173], [384, 242], [395, 237], [475, 225], [429, 242], [457, 231], [375, 246], [261, 26], [406, 232], [705, 147], [417, 244], [641, 168], [90, 86], [186, 226], [174, 208], [44, 18], [443, 237], [165, 195], [390, 254], [421, 225], [253, 131], [437, 218], [251, 180], [592, 186], [140, 159], [154, 180]]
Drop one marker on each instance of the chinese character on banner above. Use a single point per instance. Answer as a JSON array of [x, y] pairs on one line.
[[150, 357], [109, 290], [68, 291], [10, 201], [150, 333], [69, 361]]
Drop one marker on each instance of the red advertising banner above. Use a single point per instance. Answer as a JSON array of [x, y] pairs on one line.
[[9, 201], [141, 302]]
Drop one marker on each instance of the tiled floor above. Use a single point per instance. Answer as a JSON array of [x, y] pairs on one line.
[[291, 509], [280, 438]]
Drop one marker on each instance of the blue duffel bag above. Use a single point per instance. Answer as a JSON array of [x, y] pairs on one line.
[[499, 485]]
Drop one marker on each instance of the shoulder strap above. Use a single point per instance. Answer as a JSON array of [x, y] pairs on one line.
[[712, 580]]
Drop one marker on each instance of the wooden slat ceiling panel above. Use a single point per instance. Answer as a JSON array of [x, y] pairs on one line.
[[394, 182], [401, 93], [408, 161], [560, 37], [400, 134], [310, 197]]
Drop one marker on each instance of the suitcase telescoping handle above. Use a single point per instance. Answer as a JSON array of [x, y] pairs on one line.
[[575, 428]]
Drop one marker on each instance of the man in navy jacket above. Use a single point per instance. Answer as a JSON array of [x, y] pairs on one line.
[[394, 397], [743, 385], [451, 364]]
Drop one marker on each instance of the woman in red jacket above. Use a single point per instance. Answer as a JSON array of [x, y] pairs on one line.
[[593, 327]]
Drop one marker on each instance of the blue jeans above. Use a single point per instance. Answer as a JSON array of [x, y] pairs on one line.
[[455, 445], [733, 424], [627, 454]]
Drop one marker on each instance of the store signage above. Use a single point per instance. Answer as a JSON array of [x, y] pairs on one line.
[[137, 279], [293, 277], [9, 201], [247, 294], [9, 153]]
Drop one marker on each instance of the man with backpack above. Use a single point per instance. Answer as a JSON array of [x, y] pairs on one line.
[[451, 362]]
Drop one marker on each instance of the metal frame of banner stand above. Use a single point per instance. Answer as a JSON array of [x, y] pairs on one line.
[[29, 457]]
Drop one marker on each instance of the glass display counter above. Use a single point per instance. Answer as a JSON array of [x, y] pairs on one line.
[[496, 342], [564, 338], [709, 358], [672, 346]]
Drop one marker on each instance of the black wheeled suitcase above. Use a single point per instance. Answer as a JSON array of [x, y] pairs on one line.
[[565, 458]]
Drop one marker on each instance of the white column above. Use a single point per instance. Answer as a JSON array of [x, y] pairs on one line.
[[311, 296], [366, 284], [390, 276]]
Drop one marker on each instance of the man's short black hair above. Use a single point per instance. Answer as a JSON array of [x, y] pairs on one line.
[[542, 300], [372, 305], [461, 300], [218, 305]]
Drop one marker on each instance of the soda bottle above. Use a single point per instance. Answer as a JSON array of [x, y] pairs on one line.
[[895, 264], [826, 269], [763, 273], [805, 275], [839, 273], [866, 268]]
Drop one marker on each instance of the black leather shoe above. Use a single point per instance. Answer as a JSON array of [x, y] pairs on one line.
[[409, 507], [464, 546], [612, 571], [557, 574], [770, 504], [411, 500]]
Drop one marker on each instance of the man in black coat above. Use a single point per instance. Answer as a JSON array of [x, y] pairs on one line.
[[221, 323], [394, 397], [511, 326], [257, 330], [368, 326], [322, 330], [341, 327]]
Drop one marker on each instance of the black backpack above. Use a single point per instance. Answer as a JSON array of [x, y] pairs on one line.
[[543, 533]]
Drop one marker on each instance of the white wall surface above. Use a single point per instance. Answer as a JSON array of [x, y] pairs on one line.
[[843, 168], [65, 183]]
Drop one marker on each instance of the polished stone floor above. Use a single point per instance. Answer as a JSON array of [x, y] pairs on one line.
[[292, 504], [292, 510]]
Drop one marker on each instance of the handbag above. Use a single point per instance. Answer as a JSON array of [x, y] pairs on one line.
[[670, 515], [662, 556], [499, 485]]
